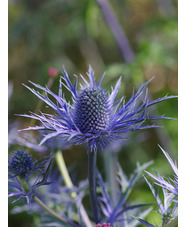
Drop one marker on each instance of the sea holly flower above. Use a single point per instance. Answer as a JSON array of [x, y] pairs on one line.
[[94, 116], [21, 163], [21, 167]]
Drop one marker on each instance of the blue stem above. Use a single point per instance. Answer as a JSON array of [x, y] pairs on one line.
[[92, 154], [117, 30]]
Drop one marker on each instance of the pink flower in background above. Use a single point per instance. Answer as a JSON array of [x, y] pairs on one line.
[[52, 72]]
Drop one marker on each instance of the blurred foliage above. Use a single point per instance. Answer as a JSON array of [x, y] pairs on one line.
[[44, 33]]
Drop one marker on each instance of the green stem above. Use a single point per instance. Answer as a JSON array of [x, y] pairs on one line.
[[23, 184], [92, 184], [63, 169], [52, 212], [67, 180], [44, 206]]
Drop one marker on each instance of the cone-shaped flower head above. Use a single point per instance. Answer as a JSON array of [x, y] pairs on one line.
[[93, 116], [92, 110], [21, 169], [21, 162]]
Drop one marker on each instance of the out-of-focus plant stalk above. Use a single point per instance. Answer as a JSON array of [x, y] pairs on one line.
[[52, 212], [63, 169], [166, 7], [116, 29], [110, 163], [43, 205], [67, 180]]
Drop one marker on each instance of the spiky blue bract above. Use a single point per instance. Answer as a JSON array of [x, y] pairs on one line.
[[27, 140], [115, 213], [171, 184], [169, 207], [94, 116]]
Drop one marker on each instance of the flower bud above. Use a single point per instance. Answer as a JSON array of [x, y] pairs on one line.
[[52, 72]]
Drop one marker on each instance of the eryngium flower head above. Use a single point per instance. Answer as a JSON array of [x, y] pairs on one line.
[[93, 116], [21, 163], [91, 110], [22, 170]]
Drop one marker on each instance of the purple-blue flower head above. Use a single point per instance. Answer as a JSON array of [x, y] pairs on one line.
[[94, 116], [92, 110], [21, 163], [21, 168]]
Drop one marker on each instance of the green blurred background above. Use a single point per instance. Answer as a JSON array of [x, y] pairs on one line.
[[75, 34]]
